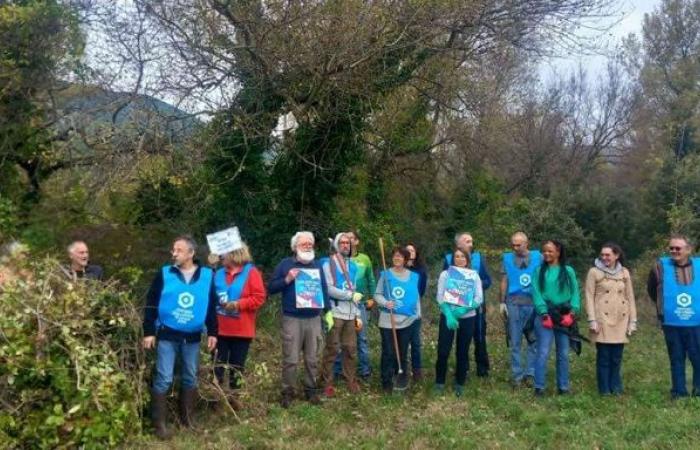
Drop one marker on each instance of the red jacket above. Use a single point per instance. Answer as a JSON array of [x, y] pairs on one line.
[[252, 298]]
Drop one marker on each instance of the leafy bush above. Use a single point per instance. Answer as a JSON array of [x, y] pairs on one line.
[[70, 366]]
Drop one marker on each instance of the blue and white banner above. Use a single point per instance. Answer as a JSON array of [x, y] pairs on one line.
[[309, 290]]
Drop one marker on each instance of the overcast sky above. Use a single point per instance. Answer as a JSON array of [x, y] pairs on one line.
[[630, 21]]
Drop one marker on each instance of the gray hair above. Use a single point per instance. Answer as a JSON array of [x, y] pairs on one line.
[[189, 240], [299, 234], [460, 234], [73, 244]]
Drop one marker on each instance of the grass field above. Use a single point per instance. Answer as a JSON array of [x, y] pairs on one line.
[[490, 415]]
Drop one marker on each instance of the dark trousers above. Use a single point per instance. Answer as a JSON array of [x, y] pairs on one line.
[[415, 343], [481, 356], [682, 342], [464, 332], [389, 363], [231, 353], [608, 364]]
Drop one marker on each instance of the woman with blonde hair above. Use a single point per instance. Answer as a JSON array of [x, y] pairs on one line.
[[241, 291]]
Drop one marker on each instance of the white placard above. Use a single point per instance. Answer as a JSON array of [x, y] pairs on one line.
[[224, 241]]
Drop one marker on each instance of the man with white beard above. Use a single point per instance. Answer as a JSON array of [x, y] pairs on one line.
[[301, 326]]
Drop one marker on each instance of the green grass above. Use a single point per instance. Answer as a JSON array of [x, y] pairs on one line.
[[490, 414]]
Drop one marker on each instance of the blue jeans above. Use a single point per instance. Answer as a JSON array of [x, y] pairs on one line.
[[415, 343], [363, 367], [682, 342], [517, 318], [608, 363], [166, 354], [544, 345]]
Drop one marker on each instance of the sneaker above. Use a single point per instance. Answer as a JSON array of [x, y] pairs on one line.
[[439, 389], [563, 391], [402, 382], [459, 390], [539, 392], [329, 391], [417, 375]]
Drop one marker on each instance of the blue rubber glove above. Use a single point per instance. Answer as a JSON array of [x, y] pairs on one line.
[[450, 320]]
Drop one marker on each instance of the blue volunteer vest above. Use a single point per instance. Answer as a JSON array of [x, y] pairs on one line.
[[183, 307], [230, 293], [520, 280], [475, 258], [681, 302], [403, 293], [340, 281]]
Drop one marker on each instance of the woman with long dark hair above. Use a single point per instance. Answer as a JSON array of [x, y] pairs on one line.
[[416, 264], [612, 315], [557, 303]]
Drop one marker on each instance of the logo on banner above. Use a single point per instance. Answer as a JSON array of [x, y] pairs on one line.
[[185, 300], [398, 293], [525, 279], [684, 300]]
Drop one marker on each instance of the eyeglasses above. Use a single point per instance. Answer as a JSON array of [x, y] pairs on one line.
[[675, 249]]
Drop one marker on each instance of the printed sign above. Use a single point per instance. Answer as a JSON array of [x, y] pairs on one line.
[[224, 241], [309, 290], [459, 288]]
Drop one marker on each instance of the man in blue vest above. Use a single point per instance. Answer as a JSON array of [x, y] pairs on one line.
[[465, 242], [180, 303], [341, 274], [516, 302], [674, 285]]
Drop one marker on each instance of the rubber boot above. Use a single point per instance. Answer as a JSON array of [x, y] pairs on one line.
[[159, 413], [188, 398]]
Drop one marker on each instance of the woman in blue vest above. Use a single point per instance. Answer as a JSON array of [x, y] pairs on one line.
[[459, 294], [241, 292], [397, 293]]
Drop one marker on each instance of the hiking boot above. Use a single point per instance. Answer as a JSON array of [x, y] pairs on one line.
[[287, 397], [187, 401], [159, 413], [312, 396], [563, 392]]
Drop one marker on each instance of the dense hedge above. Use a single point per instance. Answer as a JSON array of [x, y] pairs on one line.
[[70, 367]]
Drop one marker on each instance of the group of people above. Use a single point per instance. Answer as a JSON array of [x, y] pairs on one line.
[[539, 301]]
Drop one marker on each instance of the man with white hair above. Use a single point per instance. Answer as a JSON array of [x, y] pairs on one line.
[[345, 298], [301, 323], [80, 266]]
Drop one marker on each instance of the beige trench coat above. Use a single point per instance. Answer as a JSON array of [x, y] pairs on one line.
[[610, 302]]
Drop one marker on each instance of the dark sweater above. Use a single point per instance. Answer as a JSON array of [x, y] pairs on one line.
[[277, 284], [167, 333]]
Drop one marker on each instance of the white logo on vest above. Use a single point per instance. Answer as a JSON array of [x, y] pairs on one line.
[[185, 300], [398, 293], [525, 280], [684, 300]]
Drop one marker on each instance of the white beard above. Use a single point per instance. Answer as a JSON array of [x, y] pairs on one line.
[[306, 257]]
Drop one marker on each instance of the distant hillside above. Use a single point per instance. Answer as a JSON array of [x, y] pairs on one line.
[[88, 109]]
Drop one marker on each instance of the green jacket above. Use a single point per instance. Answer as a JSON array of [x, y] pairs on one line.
[[365, 283], [551, 292]]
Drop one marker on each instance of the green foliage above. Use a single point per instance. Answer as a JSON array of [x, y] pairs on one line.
[[8, 218], [70, 362]]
